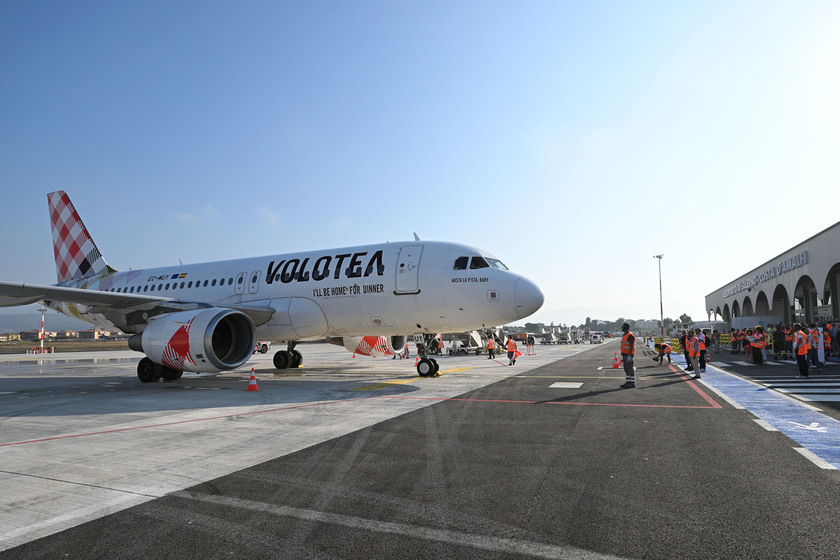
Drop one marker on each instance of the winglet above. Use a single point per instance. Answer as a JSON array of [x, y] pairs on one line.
[[416, 238], [76, 255]]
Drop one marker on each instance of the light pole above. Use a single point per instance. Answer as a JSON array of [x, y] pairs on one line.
[[42, 310], [661, 313]]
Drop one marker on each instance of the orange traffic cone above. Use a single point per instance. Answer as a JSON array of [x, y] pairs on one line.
[[354, 354], [252, 384], [616, 361]]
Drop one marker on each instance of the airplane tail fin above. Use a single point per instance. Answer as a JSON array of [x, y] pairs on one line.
[[76, 255]]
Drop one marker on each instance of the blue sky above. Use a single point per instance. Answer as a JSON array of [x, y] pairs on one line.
[[573, 140]]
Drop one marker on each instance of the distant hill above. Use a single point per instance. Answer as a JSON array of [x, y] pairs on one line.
[[17, 322]]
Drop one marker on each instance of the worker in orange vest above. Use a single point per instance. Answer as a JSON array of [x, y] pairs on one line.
[[758, 344], [511, 350], [801, 346], [628, 350], [664, 349], [491, 348]]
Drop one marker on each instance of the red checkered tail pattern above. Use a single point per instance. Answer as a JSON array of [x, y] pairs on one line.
[[76, 255]]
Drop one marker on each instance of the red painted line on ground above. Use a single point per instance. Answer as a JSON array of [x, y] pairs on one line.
[[552, 402], [712, 405], [694, 386]]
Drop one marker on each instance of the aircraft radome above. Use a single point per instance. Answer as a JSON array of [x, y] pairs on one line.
[[207, 317]]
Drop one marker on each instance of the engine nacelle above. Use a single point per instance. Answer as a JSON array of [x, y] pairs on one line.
[[205, 340], [372, 345]]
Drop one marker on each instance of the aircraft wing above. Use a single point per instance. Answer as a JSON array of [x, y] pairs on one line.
[[14, 294]]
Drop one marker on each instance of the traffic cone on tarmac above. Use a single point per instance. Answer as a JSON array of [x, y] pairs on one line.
[[616, 361], [252, 384]]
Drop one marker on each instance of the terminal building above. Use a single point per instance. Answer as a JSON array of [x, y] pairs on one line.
[[800, 285]]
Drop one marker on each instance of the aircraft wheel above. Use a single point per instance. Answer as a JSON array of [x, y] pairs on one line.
[[282, 359], [296, 359], [437, 368], [147, 371], [170, 374], [425, 367], [264, 349]]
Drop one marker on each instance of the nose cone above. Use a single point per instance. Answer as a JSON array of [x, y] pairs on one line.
[[528, 297]]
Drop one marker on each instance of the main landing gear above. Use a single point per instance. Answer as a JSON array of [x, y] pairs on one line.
[[289, 358], [150, 372]]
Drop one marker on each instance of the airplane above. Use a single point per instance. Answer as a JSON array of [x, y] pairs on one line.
[[207, 317]]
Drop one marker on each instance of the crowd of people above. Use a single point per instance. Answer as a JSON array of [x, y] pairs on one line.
[[809, 344]]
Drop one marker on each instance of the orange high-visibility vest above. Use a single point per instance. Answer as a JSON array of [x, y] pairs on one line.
[[694, 347], [701, 338], [665, 348], [625, 344], [490, 344], [759, 341], [511, 346], [802, 345], [788, 335]]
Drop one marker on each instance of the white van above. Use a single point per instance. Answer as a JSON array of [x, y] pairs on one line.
[[596, 338]]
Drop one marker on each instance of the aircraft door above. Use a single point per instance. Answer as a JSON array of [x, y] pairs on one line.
[[408, 269], [239, 287], [254, 282]]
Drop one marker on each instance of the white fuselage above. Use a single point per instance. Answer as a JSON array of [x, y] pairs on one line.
[[383, 289]]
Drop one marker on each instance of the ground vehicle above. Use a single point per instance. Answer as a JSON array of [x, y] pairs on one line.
[[564, 338], [262, 347], [596, 338]]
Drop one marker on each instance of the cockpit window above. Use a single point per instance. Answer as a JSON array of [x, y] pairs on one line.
[[461, 263], [496, 263], [478, 262]]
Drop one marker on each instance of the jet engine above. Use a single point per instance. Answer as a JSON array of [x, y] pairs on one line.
[[204, 340], [371, 345]]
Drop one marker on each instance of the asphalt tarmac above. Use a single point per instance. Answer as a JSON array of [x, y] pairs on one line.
[[350, 459]]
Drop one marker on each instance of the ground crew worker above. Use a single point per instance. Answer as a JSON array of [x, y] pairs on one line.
[[702, 357], [742, 336], [628, 350], [778, 341], [758, 344], [694, 353], [733, 340], [511, 350], [815, 346], [789, 334], [491, 348], [801, 347], [663, 349], [685, 341]]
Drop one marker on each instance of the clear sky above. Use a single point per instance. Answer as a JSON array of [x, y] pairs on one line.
[[573, 140]]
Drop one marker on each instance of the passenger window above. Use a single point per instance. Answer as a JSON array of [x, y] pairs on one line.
[[461, 263], [230, 282], [189, 285], [205, 283], [146, 288], [213, 283], [478, 262]]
